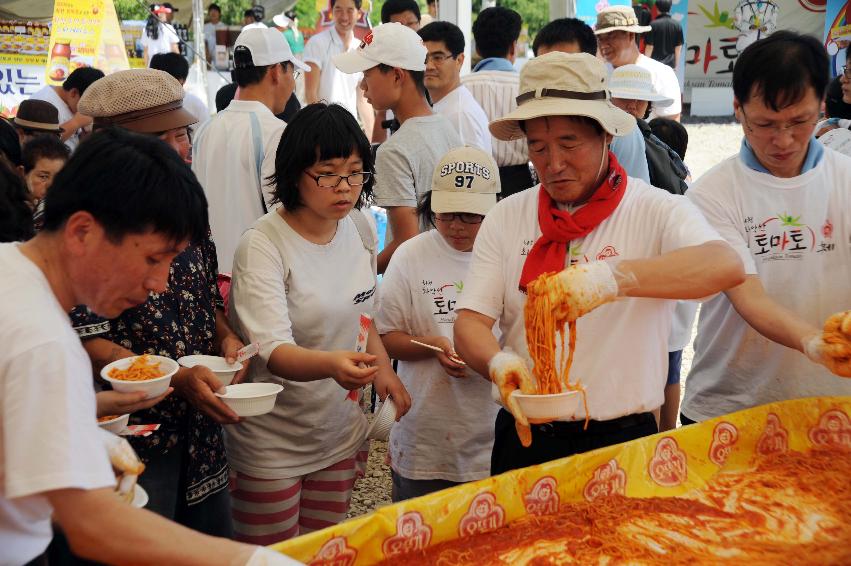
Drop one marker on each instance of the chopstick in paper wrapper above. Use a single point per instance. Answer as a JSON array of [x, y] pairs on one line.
[[360, 346], [139, 430]]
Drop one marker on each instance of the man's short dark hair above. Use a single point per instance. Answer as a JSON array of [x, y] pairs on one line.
[[834, 106], [16, 216], [495, 30], [214, 7], [225, 96], [44, 146], [174, 64], [82, 78], [417, 76], [130, 183], [780, 69], [317, 132], [358, 4], [447, 32], [566, 30], [664, 6], [393, 7], [672, 133]]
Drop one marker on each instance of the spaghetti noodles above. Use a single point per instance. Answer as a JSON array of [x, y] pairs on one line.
[[792, 508], [546, 317], [140, 370]]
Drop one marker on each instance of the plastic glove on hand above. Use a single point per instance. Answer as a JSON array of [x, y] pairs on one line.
[[584, 287], [832, 348], [510, 373], [125, 463]]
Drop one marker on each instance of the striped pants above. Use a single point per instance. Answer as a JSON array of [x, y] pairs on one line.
[[269, 511]]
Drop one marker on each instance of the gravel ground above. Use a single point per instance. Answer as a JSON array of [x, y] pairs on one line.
[[710, 141]]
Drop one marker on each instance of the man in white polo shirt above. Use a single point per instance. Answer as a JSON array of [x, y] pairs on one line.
[[323, 81], [609, 237], [616, 29], [234, 152], [392, 60], [452, 100], [784, 204]]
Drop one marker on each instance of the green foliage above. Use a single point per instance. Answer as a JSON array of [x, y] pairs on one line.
[[232, 10], [535, 13], [131, 9]]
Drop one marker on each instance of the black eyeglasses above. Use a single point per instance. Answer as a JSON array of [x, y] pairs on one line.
[[439, 57], [333, 181], [465, 217]]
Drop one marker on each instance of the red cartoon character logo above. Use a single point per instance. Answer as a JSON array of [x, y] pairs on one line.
[[609, 479], [412, 535], [335, 552], [827, 229], [668, 465], [724, 436], [608, 251], [543, 499], [774, 439], [367, 40], [832, 431], [484, 515]]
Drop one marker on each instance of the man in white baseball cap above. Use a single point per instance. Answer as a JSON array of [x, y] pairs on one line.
[[608, 237], [234, 152], [616, 30], [392, 60]]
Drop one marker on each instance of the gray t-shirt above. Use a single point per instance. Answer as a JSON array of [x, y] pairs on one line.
[[405, 163]]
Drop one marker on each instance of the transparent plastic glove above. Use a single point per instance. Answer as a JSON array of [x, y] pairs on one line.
[[587, 286], [267, 557], [832, 347], [509, 372], [124, 461]]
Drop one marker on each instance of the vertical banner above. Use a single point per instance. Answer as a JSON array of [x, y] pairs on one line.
[[23, 52], [679, 12], [85, 33], [837, 33], [586, 10]]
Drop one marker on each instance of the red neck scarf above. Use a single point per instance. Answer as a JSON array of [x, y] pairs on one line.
[[559, 227]]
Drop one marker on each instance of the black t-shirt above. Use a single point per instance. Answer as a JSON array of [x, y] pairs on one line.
[[666, 34]]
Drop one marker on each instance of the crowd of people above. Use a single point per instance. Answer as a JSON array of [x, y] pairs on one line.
[[134, 225]]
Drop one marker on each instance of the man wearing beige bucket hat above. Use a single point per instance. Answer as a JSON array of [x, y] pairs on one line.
[[616, 29], [609, 237]]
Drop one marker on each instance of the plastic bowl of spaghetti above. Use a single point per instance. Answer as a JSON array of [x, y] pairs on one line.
[[251, 399], [549, 407], [148, 373], [216, 364], [383, 421], [114, 423]]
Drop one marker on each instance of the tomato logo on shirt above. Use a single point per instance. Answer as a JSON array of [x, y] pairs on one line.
[[335, 552], [774, 438], [412, 535], [609, 479], [832, 431], [783, 237], [668, 466], [606, 252], [484, 515], [543, 499], [724, 437]]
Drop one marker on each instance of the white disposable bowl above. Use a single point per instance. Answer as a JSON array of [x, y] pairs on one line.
[[251, 399], [216, 364], [153, 387], [550, 407], [383, 421], [116, 425]]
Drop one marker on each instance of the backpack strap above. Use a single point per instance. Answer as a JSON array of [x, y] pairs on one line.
[[264, 226], [367, 236], [259, 155]]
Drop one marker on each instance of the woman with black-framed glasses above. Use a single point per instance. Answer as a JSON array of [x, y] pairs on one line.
[[303, 274], [419, 291]]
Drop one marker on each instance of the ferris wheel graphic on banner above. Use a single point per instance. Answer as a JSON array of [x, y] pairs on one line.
[[754, 20]]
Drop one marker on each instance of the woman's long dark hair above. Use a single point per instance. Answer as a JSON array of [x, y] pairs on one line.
[[152, 26]]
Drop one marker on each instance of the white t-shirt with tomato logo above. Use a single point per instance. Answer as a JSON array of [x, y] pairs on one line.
[[795, 234], [448, 433], [621, 348]]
